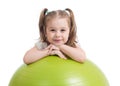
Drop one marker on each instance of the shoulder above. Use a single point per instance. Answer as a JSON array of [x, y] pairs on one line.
[[41, 45]]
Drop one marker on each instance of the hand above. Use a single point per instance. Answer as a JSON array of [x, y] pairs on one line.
[[59, 53], [53, 50]]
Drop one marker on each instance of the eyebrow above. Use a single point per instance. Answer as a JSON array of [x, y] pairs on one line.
[[55, 27]]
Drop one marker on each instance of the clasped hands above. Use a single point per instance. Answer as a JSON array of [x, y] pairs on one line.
[[54, 50]]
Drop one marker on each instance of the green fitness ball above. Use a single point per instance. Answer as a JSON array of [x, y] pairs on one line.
[[54, 71]]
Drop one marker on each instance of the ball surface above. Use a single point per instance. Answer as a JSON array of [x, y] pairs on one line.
[[54, 71]]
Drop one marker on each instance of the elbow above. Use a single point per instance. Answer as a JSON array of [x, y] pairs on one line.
[[26, 60], [82, 59]]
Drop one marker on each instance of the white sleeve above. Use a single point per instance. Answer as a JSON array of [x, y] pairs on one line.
[[38, 45], [41, 45]]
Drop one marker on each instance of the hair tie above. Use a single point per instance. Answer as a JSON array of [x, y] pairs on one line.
[[67, 12], [47, 12]]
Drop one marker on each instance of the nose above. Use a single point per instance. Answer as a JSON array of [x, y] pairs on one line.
[[58, 34]]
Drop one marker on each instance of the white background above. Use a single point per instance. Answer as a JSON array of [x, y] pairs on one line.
[[98, 23]]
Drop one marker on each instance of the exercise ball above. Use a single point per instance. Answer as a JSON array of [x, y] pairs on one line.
[[54, 71]]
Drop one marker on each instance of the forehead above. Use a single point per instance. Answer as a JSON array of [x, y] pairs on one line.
[[57, 22]]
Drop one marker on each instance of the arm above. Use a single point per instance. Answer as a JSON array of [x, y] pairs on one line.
[[76, 54], [34, 54]]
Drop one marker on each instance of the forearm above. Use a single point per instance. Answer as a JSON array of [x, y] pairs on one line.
[[76, 54], [34, 55]]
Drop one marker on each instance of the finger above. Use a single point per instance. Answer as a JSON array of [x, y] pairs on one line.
[[51, 48], [49, 52], [53, 52], [61, 55], [54, 47], [47, 47]]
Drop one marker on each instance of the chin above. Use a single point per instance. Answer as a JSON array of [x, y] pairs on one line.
[[58, 44]]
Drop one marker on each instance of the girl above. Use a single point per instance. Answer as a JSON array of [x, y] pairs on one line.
[[57, 37]]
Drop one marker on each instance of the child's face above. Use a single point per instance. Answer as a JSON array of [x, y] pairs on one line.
[[57, 31]]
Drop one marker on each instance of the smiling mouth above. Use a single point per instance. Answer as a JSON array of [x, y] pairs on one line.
[[57, 40]]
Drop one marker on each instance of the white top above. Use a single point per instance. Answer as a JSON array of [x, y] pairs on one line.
[[41, 45]]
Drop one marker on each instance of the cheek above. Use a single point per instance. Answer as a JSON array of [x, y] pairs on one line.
[[49, 36], [67, 34]]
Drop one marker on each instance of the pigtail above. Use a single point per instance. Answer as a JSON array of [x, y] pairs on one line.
[[72, 35], [42, 24]]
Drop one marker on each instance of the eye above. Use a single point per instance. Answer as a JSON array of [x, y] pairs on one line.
[[52, 30], [63, 30]]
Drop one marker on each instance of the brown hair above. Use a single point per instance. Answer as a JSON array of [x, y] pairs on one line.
[[45, 16]]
